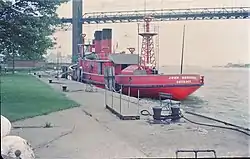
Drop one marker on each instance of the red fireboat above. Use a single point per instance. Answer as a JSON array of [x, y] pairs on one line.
[[98, 65]]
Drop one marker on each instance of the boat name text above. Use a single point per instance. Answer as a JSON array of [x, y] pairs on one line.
[[182, 77], [183, 81]]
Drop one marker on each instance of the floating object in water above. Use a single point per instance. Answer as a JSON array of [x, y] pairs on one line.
[[5, 126], [10, 145]]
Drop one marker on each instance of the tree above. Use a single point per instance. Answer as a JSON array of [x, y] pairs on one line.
[[26, 27]]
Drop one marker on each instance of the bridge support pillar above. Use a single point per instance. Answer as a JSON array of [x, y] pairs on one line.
[[77, 12]]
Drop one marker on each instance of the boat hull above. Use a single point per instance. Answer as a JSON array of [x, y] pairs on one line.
[[177, 92], [151, 86]]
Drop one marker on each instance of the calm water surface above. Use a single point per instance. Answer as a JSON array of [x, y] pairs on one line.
[[225, 94]]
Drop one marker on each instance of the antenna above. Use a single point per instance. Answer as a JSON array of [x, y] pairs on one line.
[[182, 50]]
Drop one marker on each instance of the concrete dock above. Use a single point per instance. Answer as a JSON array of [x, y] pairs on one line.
[[91, 131]]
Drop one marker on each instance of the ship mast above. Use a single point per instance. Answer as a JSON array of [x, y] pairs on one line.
[[182, 49], [147, 50]]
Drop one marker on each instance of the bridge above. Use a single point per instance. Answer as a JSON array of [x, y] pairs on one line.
[[78, 18], [164, 15]]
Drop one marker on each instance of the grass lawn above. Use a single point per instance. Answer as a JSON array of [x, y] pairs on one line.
[[24, 96]]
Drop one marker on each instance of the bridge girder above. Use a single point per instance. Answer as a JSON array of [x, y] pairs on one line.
[[164, 15]]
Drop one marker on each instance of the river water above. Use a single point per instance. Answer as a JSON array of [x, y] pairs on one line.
[[224, 96]]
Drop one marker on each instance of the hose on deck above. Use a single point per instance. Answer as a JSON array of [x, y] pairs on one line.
[[234, 127]]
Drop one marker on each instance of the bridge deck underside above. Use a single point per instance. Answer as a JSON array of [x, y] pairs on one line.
[[164, 15]]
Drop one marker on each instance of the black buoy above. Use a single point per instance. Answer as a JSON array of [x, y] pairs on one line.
[[34, 73], [157, 113], [39, 76], [50, 80], [175, 113], [64, 88]]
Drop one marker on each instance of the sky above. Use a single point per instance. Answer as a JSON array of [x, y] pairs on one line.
[[207, 42]]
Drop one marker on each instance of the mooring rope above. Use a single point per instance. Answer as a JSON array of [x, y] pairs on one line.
[[217, 126], [237, 128], [217, 120]]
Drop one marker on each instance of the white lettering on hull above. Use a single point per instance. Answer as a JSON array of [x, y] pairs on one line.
[[189, 77], [182, 77], [174, 77], [183, 81]]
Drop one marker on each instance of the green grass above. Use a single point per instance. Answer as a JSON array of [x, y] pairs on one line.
[[24, 96]]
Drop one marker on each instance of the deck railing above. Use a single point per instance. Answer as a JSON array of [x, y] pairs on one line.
[[123, 106]]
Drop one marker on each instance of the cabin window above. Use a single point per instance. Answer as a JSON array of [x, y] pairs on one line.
[[124, 66], [99, 68]]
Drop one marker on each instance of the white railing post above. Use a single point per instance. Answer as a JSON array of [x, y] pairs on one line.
[[105, 96], [128, 96], [138, 100], [121, 100], [112, 95]]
